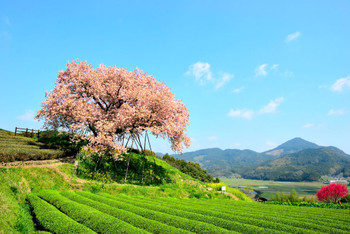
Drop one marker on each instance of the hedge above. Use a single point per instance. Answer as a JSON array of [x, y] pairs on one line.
[[129, 217], [179, 222], [92, 218], [52, 219]]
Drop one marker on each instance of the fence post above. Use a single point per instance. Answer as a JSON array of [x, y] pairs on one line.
[[32, 135], [38, 133], [26, 132], [16, 131]]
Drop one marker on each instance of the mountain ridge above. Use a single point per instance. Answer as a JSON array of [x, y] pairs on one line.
[[230, 162]]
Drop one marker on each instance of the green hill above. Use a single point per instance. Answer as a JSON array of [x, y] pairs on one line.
[[292, 146], [305, 165], [224, 162], [16, 183], [251, 164]]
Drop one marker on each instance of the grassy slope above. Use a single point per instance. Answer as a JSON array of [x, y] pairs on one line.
[[17, 183]]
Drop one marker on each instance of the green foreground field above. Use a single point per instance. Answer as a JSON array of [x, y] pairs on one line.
[[269, 187], [85, 212]]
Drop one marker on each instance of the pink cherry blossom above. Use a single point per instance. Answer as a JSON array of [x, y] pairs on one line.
[[109, 103]]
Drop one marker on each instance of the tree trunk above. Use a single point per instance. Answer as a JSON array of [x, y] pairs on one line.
[[127, 168]]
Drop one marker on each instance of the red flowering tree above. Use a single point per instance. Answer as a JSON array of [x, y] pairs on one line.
[[332, 193], [108, 105]]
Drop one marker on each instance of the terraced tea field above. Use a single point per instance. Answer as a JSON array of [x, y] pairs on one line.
[[85, 212]]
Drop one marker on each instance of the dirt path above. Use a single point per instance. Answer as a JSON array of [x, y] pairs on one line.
[[231, 195]]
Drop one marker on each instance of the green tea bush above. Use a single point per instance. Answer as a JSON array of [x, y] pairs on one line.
[[172, 220], [129, 217], [92, 218], [52, 219], [311, 204]]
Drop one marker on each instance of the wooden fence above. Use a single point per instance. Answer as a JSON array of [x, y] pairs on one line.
[[27, 132]]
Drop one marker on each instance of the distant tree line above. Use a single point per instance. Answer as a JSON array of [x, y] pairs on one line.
[[190, 168]]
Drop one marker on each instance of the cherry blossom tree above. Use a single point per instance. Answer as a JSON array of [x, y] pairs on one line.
[[332, 193], [109, 105]]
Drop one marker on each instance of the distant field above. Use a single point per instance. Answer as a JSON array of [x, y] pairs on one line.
[[269, 187]]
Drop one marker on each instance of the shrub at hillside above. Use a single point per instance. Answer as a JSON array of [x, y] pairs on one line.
[[190, 168], [63, 141], [332, 193]]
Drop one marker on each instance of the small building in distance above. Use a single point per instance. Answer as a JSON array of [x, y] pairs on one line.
[[336, 181]]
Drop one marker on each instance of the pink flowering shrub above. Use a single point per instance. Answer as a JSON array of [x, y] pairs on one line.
[[332, 193]]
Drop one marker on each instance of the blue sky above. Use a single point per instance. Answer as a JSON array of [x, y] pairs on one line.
[[253, 74]]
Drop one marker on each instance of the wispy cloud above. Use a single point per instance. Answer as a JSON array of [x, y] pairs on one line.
[[225, 77], [236, 144], [213, 138], [274, 67], [201, 71], [28, 116], [245, 113], [238, 90], [337, 112], [308, 125], [203, 74], [241, 113], [341, 84], [292, 37], [260, 70], [272, 106]]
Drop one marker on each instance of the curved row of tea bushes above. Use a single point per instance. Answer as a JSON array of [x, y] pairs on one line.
[[52, 219], [300, 219], [285, 223], [129, 217], [237, 223], [89, 217], [311, 204], [180, 208], [179, 222], [312, 213]]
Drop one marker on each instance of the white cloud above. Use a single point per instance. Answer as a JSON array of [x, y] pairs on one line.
[[226, 77], [272, 106], [242, 113], [201, 71], [28, 116], [308, 125], [213, 138], [260, 70], [341, 84], [292, 37], [236, 144], [274, 67], [337, 112], [237, 90]]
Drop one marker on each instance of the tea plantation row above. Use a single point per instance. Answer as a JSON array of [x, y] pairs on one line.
[[84, 212]]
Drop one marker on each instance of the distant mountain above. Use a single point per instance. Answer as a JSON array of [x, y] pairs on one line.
[[292, 146], [305, 165], [297, 158], [220, 162]]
